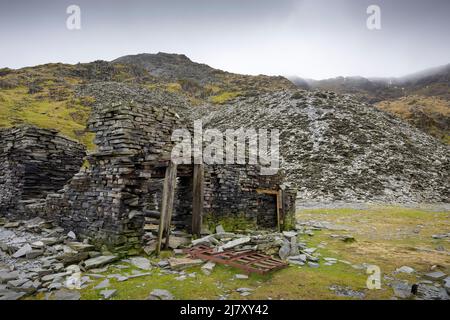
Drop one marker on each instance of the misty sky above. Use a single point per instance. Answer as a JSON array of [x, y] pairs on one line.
[[309, 38]]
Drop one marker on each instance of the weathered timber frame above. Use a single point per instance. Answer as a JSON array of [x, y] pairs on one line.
[[168, 197], [279, 203]]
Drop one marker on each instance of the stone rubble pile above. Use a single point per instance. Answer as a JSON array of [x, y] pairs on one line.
[[283, 245], [35, 257], [433, 285]]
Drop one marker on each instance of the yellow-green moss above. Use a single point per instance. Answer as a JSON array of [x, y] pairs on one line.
[[173, 87], [224, 97]]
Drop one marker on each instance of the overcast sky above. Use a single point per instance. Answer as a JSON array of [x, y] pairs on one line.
[[309, 38]]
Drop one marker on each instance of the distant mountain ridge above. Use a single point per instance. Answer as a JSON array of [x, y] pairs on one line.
[[421, 98], [429, 82]]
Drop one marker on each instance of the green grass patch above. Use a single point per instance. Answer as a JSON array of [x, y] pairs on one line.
[[69, 116], [224, 97]]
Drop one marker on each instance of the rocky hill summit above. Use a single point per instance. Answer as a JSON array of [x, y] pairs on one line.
[[171, 66], [200, 80], [336, 148]]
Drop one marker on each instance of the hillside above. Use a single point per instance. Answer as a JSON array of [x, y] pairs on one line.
[[421, 98], [430, 114], [53, 95]]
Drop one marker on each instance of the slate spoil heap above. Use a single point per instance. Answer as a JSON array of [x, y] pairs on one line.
[[33, 163], [335, 148]]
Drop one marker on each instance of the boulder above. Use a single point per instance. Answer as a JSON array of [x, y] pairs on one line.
[[284, 251]]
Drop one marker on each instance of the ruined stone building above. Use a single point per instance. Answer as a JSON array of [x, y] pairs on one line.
[[130, 175], [33, 163]]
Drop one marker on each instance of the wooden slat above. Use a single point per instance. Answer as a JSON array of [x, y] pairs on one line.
[[278, 210], [197, 201], [167, 204]]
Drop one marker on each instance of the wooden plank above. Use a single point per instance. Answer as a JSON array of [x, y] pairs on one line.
[[171, 200], [168, 196], [267, 191], [197, 201], [279, 203]]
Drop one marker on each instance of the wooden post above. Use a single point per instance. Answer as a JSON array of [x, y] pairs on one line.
[[279, 208], [168, 196], [197, 201]]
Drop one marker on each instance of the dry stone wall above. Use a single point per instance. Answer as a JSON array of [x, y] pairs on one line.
[[33, 163], [105, 201], [232, 191]]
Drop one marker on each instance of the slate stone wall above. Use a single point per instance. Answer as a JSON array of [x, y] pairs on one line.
[[33, 163], [105, 202], [231, 190]]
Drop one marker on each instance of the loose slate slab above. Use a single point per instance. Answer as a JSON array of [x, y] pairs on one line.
[[108, 293], [11, 295], [405, 269], [181, 263], [98, 262], [54, 276], [11, 225], [22, 251], [81, 247], [235, 243], [436, 275], [160, 294], [64, 294], [6, 276], [141, 263], [102, 285], [447, 284]]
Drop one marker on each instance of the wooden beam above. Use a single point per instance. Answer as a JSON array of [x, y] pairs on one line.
[[168, 197], [197, 201], [279, 207], [279, 203], [267, 191]]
